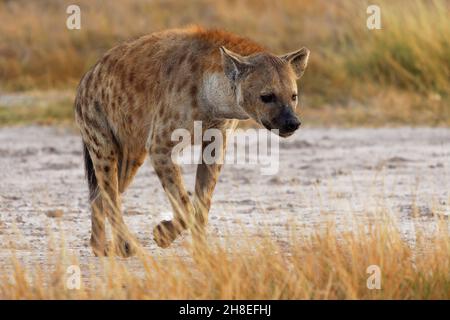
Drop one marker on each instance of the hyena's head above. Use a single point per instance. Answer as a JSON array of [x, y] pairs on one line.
[[266, 86]]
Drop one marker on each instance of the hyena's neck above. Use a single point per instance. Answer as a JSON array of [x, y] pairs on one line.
[[219, 98]]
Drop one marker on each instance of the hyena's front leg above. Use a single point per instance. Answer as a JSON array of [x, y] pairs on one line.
[[205, 182], [206, 178], [171, 179]]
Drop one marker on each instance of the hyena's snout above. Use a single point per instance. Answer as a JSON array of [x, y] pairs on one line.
[[286, 122]]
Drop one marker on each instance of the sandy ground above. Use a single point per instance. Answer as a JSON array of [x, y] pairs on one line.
[[325, 174]]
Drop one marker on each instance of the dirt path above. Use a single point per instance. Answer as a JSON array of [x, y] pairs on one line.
[[324, 174]]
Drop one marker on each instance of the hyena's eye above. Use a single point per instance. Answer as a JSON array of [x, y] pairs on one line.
[[268, 98], [294, 97]]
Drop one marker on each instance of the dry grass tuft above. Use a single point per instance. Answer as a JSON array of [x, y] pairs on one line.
[[328, 264]]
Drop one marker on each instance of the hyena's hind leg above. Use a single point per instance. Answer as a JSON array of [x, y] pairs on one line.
[[102, 159], [128, 167], [98, 233], [107, 176]]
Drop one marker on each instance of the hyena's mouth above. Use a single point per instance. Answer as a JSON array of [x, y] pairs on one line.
[[286, 134], [281, 133], [266, 125]]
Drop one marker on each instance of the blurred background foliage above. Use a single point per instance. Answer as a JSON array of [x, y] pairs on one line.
[[399, 74]]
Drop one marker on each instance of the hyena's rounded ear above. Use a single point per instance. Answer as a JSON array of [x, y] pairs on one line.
[[234, 65], [298, 60]]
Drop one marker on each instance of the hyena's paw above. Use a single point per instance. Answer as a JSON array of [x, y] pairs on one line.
[[100, 251], [99, 248], [165, 233], [122, 248]]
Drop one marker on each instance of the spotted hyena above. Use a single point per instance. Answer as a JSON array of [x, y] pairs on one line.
[[140, 91]]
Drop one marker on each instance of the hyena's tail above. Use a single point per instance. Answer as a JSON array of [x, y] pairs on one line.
[[90, 174]]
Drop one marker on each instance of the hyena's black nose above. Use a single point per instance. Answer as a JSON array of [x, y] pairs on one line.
[[288, 121], [292, 124]]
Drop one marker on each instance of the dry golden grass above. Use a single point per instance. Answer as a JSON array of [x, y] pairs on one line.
[[327, 264], [351, 68]]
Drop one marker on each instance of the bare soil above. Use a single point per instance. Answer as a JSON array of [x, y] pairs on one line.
[[325, 175]]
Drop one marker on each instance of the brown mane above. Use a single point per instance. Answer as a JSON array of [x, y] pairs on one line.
[[215, 38]]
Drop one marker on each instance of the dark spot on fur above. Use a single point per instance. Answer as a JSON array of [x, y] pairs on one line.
[[88, 80], [95, 140], [193, 91], [97, 107], [131, 77], [111, 65], [194, 67], [169, 70], [182, 58], [78, 109]]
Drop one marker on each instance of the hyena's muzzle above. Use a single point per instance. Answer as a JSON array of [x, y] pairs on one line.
[[285, 120]]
